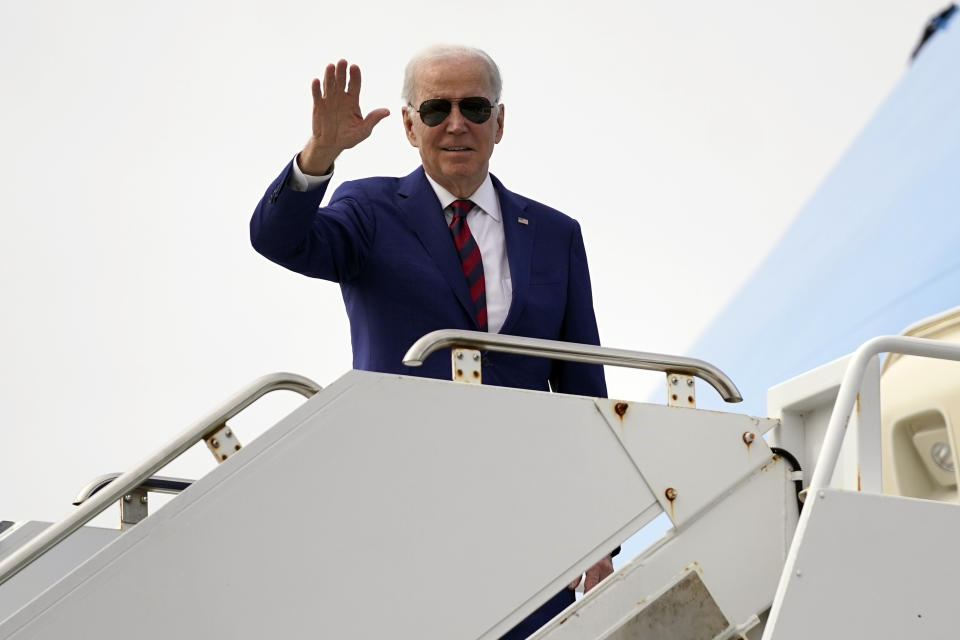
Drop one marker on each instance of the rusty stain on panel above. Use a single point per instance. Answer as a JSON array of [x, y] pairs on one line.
[[671, 495], [620, 409], [565, 618]]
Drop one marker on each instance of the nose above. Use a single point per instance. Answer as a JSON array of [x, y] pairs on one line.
[[455, 122]]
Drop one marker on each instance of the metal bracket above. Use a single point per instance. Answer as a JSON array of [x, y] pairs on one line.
[[681, 391], [133, 507], [466, 365], [223, 443], [155, 484]]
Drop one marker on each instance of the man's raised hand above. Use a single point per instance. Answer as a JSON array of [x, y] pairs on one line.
[[338, 123]]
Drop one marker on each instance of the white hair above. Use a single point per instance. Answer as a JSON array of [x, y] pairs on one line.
[[440, 51]]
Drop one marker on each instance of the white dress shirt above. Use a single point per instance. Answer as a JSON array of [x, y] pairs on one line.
[[486, 225]]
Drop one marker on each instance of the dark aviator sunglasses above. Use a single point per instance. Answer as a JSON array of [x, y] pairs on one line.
[[436, 110]]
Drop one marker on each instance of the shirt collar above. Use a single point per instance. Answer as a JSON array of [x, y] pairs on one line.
[[484, 197]]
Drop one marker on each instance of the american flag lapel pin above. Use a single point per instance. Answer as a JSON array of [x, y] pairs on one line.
[[523, 221]]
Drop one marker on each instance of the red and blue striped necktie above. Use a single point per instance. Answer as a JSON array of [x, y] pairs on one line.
[[470, 260]]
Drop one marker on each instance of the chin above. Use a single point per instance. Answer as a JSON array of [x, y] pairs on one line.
[[461, 170]]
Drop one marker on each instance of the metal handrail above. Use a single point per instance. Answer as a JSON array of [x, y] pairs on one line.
[[572, 352], [55, 533], [154, 484], [850, 390]]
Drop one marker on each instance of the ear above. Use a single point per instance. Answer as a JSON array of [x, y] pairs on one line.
[[500, 110], [408, 113]]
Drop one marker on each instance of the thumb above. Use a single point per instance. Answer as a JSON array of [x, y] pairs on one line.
[[375, 117], [592, 578]]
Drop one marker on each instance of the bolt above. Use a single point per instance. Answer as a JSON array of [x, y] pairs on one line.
[[749, 437], [127, 498], [820, 495], [673, 379], [228, 433], [620, 408], [459, 355], [689, 382], [799, 573], [671, 494], [215, 443], [476, 357], [143, 499]]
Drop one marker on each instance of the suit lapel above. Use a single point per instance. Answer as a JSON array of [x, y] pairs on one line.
[[519, 236], [421, 211]]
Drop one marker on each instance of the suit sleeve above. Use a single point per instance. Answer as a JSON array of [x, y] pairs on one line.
[[579, 325], [292, 229]]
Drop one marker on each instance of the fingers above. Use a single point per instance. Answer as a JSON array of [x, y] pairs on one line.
[[335, 80], [317, 93], [329, 80], [340, 77], [575, 583], [354, 87]]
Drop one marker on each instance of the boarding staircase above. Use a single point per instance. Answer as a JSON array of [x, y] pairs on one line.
[[403, 507]]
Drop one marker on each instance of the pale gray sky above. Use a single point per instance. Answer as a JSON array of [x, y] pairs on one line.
[[138, 137]]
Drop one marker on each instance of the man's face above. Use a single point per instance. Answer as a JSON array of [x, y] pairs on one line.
[[456, 153]]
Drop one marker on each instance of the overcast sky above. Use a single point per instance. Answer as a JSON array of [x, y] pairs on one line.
[[137, 138]]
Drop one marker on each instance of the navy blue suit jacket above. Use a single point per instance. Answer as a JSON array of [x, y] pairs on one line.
[[386, 242]]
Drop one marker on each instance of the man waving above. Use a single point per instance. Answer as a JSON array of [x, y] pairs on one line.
[[445, 247]]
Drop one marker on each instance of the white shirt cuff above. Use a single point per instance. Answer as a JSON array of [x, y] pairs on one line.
[[299, 181]]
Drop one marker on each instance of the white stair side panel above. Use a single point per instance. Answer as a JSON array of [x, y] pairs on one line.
[[384, 507], [871, 566], [30, 582]]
